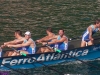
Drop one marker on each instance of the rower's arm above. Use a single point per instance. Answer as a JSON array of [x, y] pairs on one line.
[[54, 37], [14, 42], [10, 42], [21, 45], [58, 41], [42, 39], [19, 41], [46, 38], [90, 33]]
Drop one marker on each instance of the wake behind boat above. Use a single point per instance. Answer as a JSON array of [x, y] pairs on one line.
[[35, 60]]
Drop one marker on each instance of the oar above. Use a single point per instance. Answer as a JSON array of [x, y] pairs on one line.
[[55, 50], [75, 38], [22, 53], [75, 58]]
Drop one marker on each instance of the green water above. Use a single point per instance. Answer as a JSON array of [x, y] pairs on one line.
[[35, 15]]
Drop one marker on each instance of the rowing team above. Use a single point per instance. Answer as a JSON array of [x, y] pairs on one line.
[[28, 46]]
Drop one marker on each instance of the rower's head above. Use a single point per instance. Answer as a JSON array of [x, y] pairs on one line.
[[27, 34], [97, 23], [61, 32], [49, 29], [18, 33]]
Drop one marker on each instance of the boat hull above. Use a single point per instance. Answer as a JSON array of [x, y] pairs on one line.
[[35, 60]]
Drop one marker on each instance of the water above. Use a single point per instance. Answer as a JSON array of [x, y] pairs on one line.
[[35, 15], [66, 68]]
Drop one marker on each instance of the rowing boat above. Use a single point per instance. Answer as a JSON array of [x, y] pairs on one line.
[[34, 60]]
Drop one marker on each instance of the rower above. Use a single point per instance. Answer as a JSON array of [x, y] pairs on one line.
[[87, 38], [18, 40], [47, 38], [60, 41], [27, 47]]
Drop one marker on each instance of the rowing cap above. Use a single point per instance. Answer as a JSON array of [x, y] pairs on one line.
[[27, 33]]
